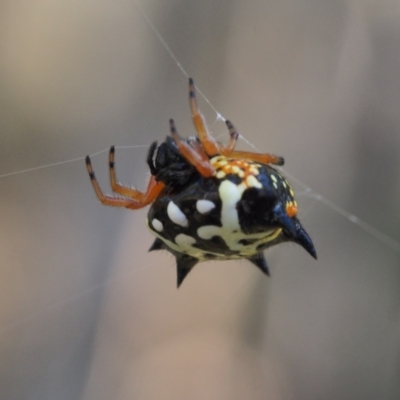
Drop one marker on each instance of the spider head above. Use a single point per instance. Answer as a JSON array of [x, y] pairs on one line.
[[168, 165]]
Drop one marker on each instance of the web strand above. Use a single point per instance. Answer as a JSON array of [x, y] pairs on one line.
[[24, 171]]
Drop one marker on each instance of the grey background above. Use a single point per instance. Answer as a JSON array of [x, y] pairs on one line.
[[86, 312]]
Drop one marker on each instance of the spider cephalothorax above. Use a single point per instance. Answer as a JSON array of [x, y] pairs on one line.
[[210, 201], [169, 166]]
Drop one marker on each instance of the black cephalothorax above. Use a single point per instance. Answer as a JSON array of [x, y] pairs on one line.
[[168, 166]]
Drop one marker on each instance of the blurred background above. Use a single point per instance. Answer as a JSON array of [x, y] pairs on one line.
[[86, 312]]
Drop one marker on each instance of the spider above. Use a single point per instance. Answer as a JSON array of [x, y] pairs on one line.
[[210, 201]]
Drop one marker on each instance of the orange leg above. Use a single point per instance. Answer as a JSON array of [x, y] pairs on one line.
[[209, 143], [154, 188], [194, 155], [211, 147], [115, 185], [227, 150], [258, 157]]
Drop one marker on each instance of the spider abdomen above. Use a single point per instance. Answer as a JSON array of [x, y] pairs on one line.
[[235, 214]]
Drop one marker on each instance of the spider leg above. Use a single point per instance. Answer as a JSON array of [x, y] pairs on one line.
[[212, 147], [193, 154], [154, 188], [150, 157], [257, 157], [227, 150], [209, 143], [115, 185]]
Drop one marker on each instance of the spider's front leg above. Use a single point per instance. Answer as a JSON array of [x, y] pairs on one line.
[[115, 185], [140, 200]]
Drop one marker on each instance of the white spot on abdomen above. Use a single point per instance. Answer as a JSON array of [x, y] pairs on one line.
[[176, 215], [208, 231], [184, 241], [230, 194], [157, 225], [230, 231], [204, 206]]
